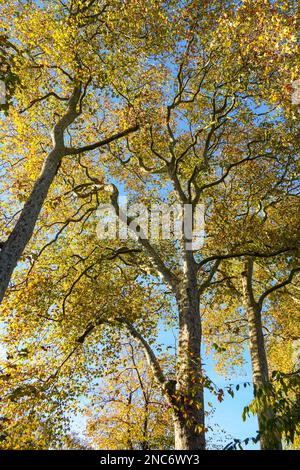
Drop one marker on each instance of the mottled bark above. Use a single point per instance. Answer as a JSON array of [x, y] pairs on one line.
[[189, 419], [22, 232]]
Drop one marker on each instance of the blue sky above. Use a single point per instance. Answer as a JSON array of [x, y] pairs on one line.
[[228, 414]]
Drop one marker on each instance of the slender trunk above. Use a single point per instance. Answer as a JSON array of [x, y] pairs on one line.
[[189, 416], [260, 373], [22, 232]]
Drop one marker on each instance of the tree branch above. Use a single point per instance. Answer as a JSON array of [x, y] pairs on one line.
[[42, 98], [101, 143], [150, 355], [278, 286], [166, 273], [246, 253]]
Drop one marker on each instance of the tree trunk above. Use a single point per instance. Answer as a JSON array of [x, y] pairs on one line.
[[260, 373], [189, 416], [22, 232]]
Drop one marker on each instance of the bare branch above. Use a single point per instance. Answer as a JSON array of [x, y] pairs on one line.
[[43, 98], [256, 254], [157, 261], [101, 143], [150, 355], [278, 286]]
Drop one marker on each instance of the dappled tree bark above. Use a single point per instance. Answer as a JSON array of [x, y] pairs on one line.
[[202, 135], [189, 419]]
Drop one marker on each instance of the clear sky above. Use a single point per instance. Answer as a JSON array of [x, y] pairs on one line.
[[228, 414]]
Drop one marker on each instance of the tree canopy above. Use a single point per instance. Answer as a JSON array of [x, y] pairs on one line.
[[174, 105]]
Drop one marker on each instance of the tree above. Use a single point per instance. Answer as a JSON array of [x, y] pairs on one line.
[[252, 312], [45, 372], [253, 295], [128, 411], [172, 152], [202, 132], [73, 65]]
